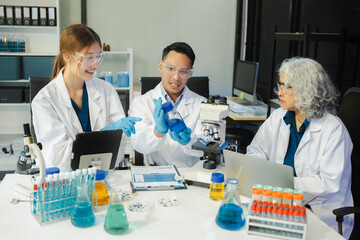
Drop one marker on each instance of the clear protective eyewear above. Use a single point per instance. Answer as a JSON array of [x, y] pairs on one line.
[[283, 87], [89, 59], [171, 70]]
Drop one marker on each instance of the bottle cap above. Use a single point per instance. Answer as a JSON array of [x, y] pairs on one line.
[[52, 170], [298, 196], [257, 186], [100, 175], [217, 177], [287, 195], [277, 194], [256, 191], [289, 190], [266, 192], [268, 187], [167, 107]]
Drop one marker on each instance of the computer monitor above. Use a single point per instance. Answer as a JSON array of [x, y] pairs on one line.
[[98, 148], [245, 80]]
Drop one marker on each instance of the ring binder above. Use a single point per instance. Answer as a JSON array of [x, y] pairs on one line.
[[18, 16], [34, 16], [9, 15]]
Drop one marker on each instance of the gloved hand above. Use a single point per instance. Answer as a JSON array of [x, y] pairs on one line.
[[161, 126], [125, 124], [183, 137]]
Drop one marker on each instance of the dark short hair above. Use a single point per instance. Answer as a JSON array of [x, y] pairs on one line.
[[180, 47]]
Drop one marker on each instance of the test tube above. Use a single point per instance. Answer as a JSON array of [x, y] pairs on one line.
[[287, 198], [298, 198], [302, 214], [266, 195], [256, 194], [276, 197], [84, 177], [253, 207]]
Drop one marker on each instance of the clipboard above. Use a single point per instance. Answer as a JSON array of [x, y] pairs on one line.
[[156, 178]]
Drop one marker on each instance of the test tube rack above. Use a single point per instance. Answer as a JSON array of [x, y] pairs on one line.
[[46, 212], [275, 228]]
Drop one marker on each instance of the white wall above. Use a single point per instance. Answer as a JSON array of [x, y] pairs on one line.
[[150, 25]]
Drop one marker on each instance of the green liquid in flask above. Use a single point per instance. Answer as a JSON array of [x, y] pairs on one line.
[[116, 221]]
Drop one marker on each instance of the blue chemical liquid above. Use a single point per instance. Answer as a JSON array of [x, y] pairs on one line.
[[82, 215], [177, 125], [116, 221], [230, 217]]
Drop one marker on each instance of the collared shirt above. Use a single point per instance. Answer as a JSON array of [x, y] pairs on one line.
[[168, 98], [295, 138], [83, 113]]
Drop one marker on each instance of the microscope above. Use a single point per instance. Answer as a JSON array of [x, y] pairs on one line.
[[31, 152], [212, 115]]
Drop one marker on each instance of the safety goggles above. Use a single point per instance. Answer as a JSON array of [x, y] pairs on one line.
[[89, 59], [283, 87], [171, 70]]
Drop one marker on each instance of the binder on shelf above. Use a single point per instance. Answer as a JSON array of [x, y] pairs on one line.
[[26, 16], [2, 15], [9, 15], [43, 18], [34, 16], [51, 16], [18, 16]]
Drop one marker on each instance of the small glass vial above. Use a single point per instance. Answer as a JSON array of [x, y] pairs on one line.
[[101, 194], [217, 186], [297, 199], [173, 118]]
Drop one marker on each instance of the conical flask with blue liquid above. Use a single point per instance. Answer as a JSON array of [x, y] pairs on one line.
[[82, 214], [230, 215]]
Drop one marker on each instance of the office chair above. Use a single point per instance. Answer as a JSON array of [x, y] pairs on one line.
[[36, 84], [350, 117], [199, 85]]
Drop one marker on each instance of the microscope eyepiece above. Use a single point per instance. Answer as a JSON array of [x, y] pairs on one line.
[[26, 130]]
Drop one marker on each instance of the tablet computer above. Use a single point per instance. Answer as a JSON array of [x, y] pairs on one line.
[[98, 148]]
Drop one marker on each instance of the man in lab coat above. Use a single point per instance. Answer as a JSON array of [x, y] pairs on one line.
[[153, 137], [306, 134]]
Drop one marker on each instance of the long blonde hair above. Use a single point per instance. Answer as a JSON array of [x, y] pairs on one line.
[[74, 38]]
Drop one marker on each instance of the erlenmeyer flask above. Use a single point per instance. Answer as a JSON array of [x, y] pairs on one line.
[[230, 215], [82, 214], [116, 221]]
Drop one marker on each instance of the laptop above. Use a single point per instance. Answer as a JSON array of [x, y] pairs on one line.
[[259, 171]]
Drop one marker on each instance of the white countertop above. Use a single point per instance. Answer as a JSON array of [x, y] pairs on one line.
[[192, 218]]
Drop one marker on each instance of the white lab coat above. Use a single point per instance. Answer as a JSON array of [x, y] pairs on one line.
[[166, 151], [56, 123], [322, 161]]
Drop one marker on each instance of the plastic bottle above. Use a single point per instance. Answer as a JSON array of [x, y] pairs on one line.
[[217, 186], [173, 118], [230, 215], [82, 214], [287, 198], [297, 199], [276, 197], [116, 221], [101, 194]]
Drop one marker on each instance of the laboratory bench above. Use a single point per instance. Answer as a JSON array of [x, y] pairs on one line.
[[192, 218]]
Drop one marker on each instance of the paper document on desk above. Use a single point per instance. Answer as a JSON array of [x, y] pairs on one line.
[[156, 178], [247, 109]]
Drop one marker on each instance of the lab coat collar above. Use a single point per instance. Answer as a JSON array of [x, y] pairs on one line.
[[188, 98], [64, 98], [93, 96], [315, 125]]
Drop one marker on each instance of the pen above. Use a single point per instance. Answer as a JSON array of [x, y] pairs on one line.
[[132, 188]]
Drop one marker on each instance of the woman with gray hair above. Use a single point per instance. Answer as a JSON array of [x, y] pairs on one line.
[[306, 134]]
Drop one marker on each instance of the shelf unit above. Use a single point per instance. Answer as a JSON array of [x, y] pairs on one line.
[[116, 61], [40, 41]]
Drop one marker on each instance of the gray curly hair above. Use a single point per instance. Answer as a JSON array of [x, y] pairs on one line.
[[314, 92]]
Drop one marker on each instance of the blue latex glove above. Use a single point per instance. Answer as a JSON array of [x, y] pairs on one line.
[[161, 126], [125, 124], [183, 137]]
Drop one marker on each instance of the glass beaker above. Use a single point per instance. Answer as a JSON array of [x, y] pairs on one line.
[[230, 215], [82, 214], [116, 221]]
